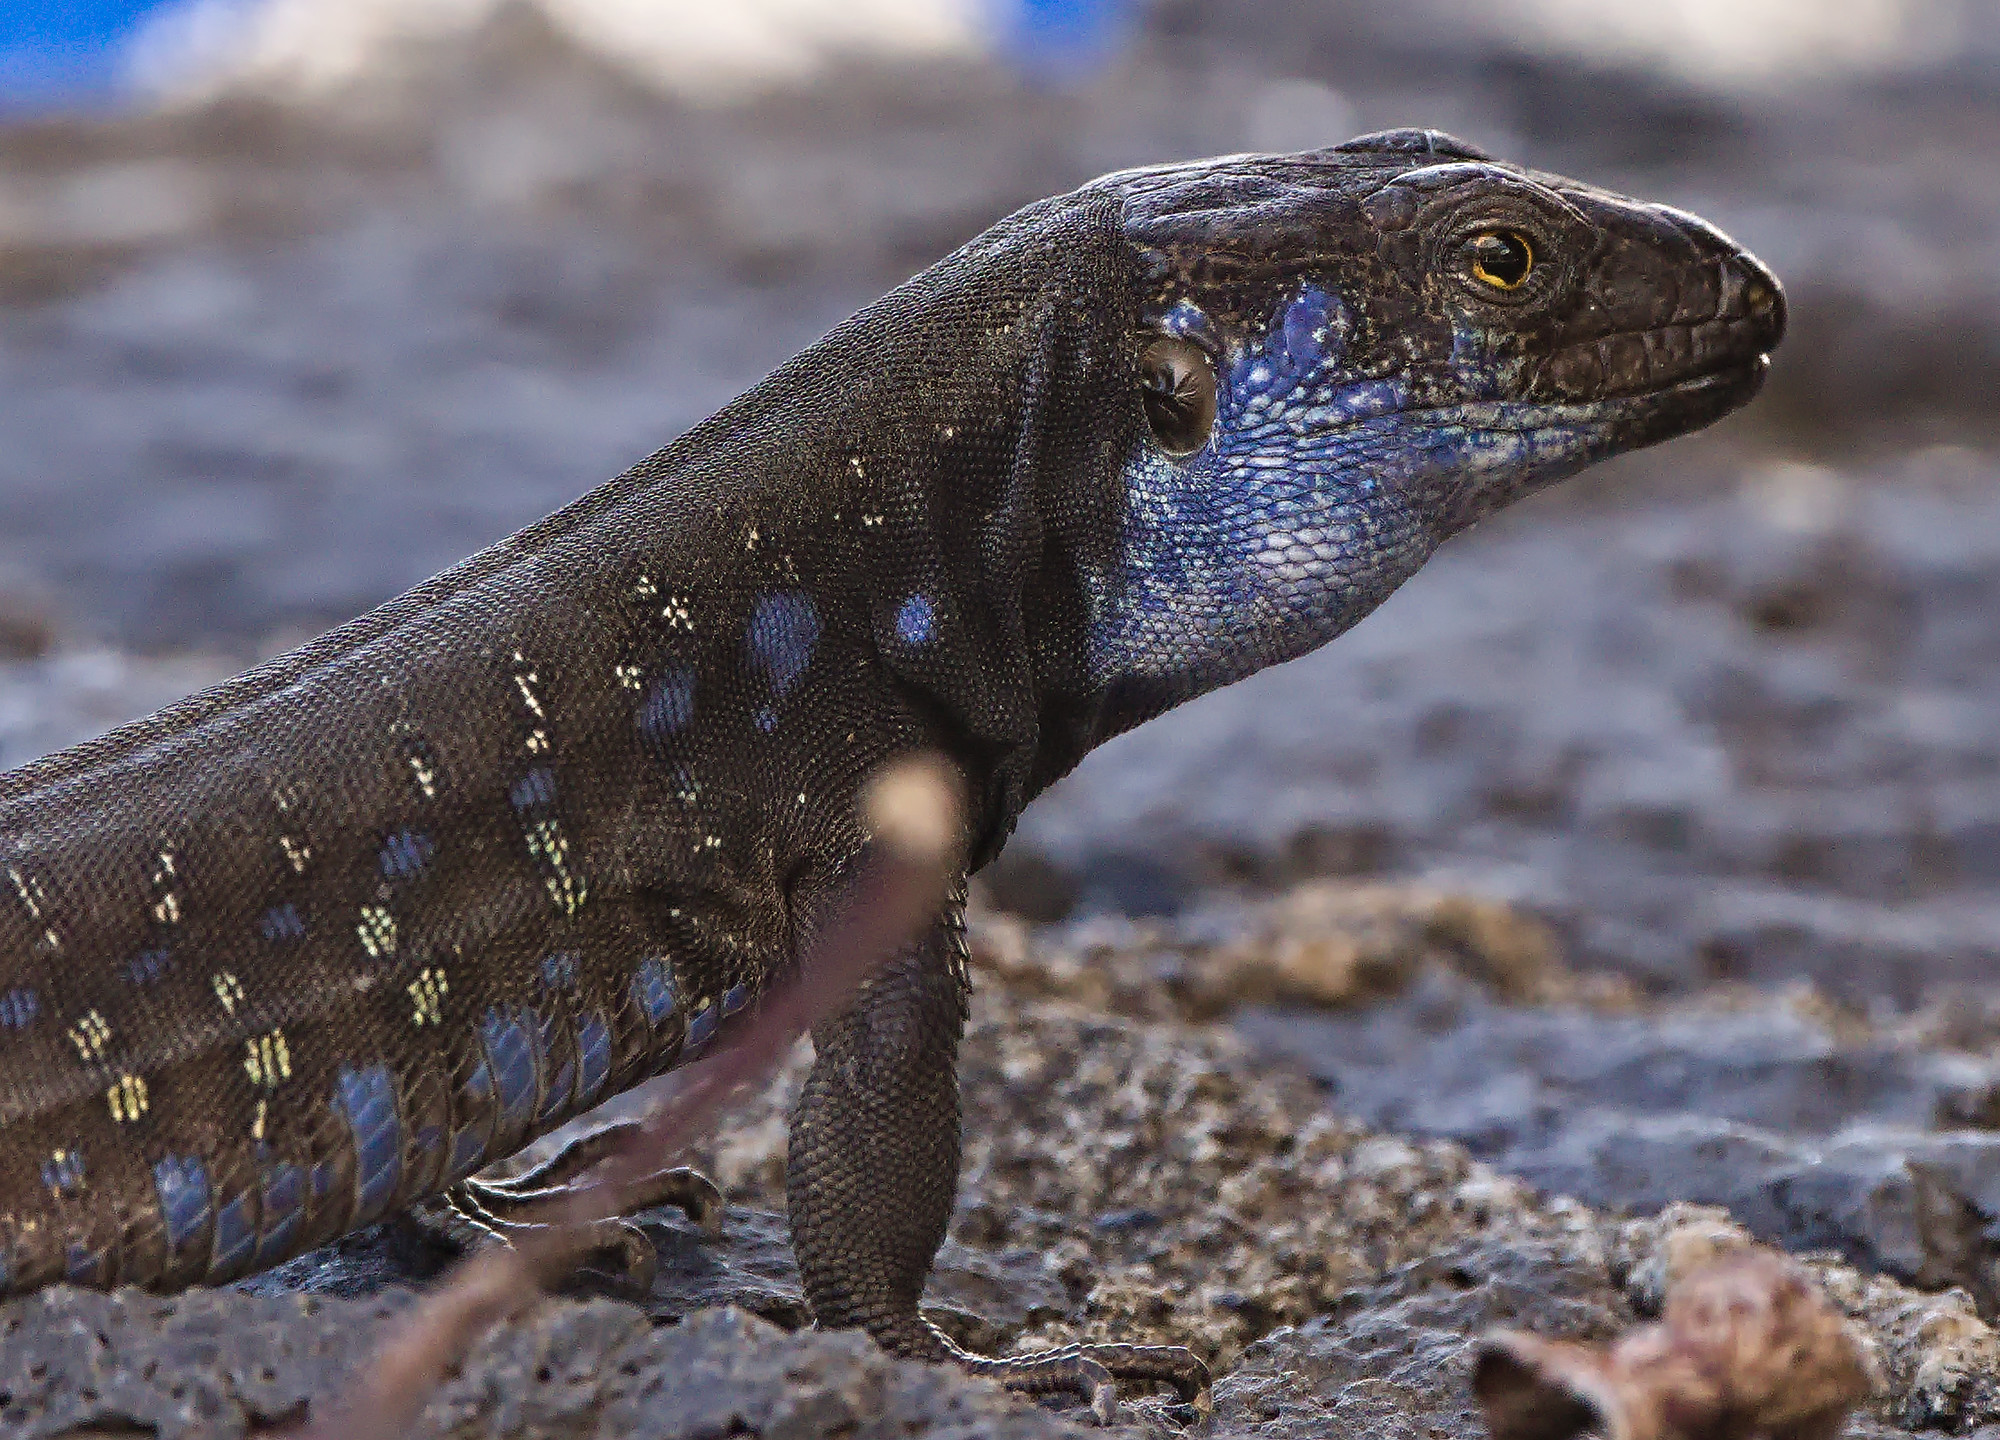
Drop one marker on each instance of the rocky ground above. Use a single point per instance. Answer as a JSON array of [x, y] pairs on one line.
[[1644, 852], [1144, 1179]]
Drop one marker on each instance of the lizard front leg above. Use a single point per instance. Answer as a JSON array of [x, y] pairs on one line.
[[873, 1172]]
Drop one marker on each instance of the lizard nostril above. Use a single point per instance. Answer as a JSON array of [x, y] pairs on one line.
[[1762, 300]]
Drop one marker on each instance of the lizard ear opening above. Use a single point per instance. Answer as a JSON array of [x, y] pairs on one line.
[[1177, 387]]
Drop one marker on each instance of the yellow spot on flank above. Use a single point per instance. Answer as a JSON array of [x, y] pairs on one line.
[[91, 1035], [427, 994], [538, 742], [167, 909], [297, 853], [268, 1059], [550, 848], [127, 1099], [678, 614], [257, 1125], [29, 890], [377, 931], [632, 677], [228, 989], [526, 685], [165, 872], [750, 540], [425, 776]]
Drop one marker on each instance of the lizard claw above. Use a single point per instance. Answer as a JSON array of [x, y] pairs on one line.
[[478, 1213]]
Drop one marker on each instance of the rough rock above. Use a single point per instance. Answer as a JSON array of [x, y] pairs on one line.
[[1139, 1179], [226, 1364], [1428, 1013]]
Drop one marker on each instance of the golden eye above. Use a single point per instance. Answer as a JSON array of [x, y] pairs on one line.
[[1500, 258], [1177, 388]]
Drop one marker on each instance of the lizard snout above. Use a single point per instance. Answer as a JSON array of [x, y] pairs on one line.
[[1758, 299]]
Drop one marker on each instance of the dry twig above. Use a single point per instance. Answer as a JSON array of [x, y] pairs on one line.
[[1747, 1346]]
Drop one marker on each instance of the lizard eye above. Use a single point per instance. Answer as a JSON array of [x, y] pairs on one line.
[[1500, 258], [1177, 387]]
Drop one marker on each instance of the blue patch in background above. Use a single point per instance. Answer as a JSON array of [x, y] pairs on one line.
[[65, 52], [54, 50], [1062, 37]]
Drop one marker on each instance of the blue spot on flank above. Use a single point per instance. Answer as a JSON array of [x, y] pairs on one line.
[[146, 967], [468, 1153], [593, 1057], [63, 1173], [559, 1092], [283, 1210], [916, 620], [234, 1238], [182, 1182], [668, 707], [510, 1050], [19, 1007], [556, 1094], [559, 971], [653, 989], [735, 998], [701, 1029], [766, 718], [368, 1099], [534, 790], [405, 853], [784, 628], [469, 1145], [282, 922], [478, 1085]]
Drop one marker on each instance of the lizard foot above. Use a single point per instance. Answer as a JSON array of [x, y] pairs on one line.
[[476, 1213], [1092, 1371], [1089, 1371]]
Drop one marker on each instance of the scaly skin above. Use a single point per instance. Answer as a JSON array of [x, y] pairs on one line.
[[318, 943]]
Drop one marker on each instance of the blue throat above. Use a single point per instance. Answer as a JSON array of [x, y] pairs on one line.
[[1301, 514]]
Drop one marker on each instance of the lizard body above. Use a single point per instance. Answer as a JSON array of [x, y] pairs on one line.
[[324, 940]]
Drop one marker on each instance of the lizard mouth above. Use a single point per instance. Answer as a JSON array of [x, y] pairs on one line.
[[1685, 367], [1684, 404]]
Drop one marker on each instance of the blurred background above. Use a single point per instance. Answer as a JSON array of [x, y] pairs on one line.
[[304, 300]]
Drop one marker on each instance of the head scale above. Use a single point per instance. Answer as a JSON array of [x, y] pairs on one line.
[[1347, 356]]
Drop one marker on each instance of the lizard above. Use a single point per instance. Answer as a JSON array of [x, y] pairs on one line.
[[317, 945]]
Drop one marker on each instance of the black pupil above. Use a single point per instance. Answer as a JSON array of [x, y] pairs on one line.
[[1502, 256]]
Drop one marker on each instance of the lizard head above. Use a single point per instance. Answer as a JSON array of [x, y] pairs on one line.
[[1345, 357]]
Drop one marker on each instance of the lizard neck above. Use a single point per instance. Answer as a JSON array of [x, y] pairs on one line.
[[1222, 570]]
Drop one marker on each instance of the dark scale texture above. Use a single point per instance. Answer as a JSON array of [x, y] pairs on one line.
[[317, 943]]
